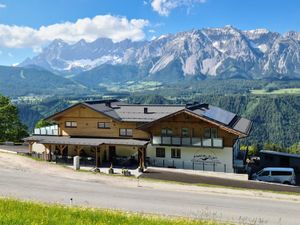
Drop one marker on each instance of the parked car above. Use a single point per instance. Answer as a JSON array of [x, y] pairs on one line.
[[277, 175]]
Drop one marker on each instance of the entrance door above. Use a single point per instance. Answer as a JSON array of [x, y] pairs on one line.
[[112, 153]]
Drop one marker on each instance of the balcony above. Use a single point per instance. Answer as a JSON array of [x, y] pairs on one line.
[[48, 131], [188, 141]]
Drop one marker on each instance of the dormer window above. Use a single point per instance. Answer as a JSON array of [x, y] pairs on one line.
[[70, 124]]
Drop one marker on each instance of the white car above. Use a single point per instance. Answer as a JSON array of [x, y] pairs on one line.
[[277, 175]]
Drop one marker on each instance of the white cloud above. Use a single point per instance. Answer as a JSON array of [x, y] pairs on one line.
[[164, 7], [114, 27], [2, 6]]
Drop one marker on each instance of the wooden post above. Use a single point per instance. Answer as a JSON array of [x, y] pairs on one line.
[[140, 158], [143, 158], [50, 153], [100, 160], [96, 152], [30, 147], [46, 156]]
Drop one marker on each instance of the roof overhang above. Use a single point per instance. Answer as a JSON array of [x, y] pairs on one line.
[[85, 141], [58, 114]]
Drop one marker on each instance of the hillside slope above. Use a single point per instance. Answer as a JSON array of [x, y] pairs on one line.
[[17, 81]]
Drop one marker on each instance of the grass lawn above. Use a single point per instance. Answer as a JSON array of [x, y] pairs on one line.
[[277, 92], [15, 212]]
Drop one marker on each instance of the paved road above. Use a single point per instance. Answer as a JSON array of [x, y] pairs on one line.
[[38, 185], [161, 174], [15, 148]]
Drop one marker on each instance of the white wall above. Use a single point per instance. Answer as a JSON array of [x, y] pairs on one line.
[[213, 159]]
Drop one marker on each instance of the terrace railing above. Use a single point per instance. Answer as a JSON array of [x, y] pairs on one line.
[[48, 131], [191, 165]]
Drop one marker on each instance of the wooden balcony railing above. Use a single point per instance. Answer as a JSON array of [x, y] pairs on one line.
[[188, 141]]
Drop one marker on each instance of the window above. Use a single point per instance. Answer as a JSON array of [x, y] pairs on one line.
[[166, 132], [210, 133], [281, 173], [125, 132], [213, 132], [71, 124], [207, 133], [185, 132], [264, 173], [103, 125], [176, 153], [160, 152]]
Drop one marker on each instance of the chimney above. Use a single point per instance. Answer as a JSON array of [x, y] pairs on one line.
[[145, 110]]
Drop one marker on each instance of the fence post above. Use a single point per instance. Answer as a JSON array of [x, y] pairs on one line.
[[193, 165], [163, 163], [214, 167], [173, 164], [224, 168], [182, 164], [203, 166]]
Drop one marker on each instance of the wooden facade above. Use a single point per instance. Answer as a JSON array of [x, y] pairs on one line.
[[195, 125], [87, 125]]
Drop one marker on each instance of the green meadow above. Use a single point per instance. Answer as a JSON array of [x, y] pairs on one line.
[[15, 212], [282, 91]]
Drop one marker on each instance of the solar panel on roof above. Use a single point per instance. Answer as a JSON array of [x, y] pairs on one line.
[[219, 115]]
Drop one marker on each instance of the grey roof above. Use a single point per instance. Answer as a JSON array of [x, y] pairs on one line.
[[85, 141], [279, 153], [103, 108], [243, 125], [135, 113]]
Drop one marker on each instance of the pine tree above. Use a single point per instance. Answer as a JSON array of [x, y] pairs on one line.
[[11, 128]]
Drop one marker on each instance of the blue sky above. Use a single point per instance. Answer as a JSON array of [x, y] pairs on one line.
[[21, 34]]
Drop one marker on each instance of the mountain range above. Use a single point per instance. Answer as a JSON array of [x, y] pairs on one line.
[[197, 54]]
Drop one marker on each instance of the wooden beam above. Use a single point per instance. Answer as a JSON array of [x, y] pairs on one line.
[[78, 148], [61, 148]]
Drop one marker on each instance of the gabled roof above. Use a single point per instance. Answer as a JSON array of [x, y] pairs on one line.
[[101, 108], [150, 114], [229, 128]]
